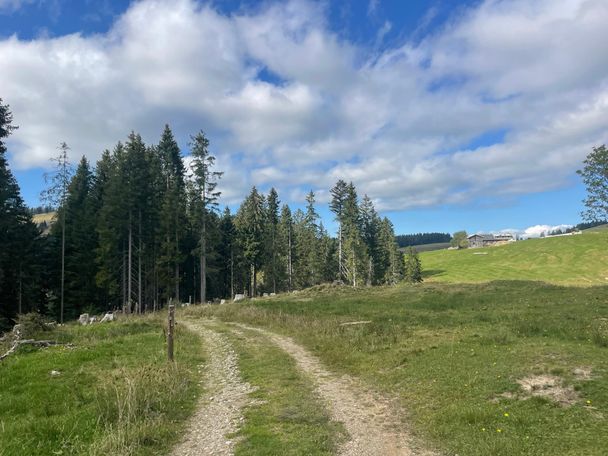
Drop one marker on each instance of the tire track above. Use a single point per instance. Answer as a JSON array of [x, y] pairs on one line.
[[370, 419], [218, 414]]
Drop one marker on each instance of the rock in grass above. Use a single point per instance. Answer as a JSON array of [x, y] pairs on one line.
[[109, 316], [84, 319]]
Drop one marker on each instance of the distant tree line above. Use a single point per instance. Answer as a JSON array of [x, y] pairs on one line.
[[408, 240], [138, 230], [41, 209], [592, 224]]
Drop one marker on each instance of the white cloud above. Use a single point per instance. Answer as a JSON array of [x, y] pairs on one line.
[[538, 230], [12, 5], [394, 121]]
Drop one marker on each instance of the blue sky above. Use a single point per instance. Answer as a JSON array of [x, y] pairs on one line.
[[449, 114]]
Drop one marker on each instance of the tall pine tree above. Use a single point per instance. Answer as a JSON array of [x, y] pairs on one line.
[[205, 181]]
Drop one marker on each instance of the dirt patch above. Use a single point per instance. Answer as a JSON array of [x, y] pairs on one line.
[[582, 373], [371, 420], [218, 415], [549, 386]]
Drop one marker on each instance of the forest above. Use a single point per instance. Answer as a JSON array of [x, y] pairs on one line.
[[138, 229], [408, 240]]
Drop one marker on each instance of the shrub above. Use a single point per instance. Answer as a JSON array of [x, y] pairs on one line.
[[32, 324]]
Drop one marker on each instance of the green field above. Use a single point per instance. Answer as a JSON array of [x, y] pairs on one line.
[[580, 260], [455, 358], [452, 356], [112, 392]]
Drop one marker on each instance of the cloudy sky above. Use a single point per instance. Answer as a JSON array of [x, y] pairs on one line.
[[448, 114]]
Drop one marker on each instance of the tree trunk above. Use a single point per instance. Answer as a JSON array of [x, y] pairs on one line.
[[203, 261], [176, 262], [231, 273], [252, 281], [20, 288], [139, 282], [274, 269], [340, 251], [129, 271], [354, 268], [289, 270], [124, 277], [62, 261]]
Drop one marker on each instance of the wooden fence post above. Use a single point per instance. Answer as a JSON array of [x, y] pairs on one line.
[[170, 330]]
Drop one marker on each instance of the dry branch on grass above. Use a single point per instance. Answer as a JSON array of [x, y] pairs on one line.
[[37, 343]]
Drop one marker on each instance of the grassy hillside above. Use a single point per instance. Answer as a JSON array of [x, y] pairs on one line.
[[47, 217], [580, 260], [110, 392], [452, 356]]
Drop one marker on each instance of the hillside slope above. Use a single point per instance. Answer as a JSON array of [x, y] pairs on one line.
[[570, 260]]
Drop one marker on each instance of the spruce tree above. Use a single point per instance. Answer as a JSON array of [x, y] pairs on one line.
[[56, 194], [272, 223], [355, 252], [287, 245], [19, 239], [205, 181], [369, 230], [338, 198], [80, 241], [390, 265], [413, 267], [309, 243], [227, 252], [250, 221], [173, 213]]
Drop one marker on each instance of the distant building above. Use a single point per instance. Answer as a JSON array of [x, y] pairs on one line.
[[486, 240]]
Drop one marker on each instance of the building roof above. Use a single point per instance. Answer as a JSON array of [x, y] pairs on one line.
[[491, 237], [485, 237]]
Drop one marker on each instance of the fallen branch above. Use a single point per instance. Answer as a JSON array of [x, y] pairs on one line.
[[38, 343], [351, 323]]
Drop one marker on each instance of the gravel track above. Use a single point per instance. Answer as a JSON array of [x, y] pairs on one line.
[[218, 414], [370, 419]]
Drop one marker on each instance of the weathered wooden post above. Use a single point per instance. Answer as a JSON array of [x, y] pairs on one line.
[[170, 330]]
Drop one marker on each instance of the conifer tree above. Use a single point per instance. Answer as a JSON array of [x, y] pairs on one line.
[[55, 195], [390, 266], [309, 252], [369, 230], [355, 252], [19, 240], [338, 198], [112, 226], [80, 241], [250, 220], [413, 267], [173, 212], [205, 181], [287, 243], [228, 254], [272, 221]]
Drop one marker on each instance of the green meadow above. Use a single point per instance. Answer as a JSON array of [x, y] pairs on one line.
[[107, 391], [498, 354], [458, 355], [579, 260]]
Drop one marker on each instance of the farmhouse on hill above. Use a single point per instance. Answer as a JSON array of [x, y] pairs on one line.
[[486, 240]]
